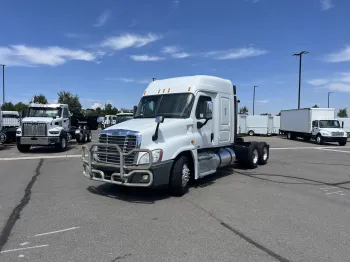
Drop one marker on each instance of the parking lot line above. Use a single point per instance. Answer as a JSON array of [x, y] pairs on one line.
[[307, 147], [23, 248], [38, 157], [54, 232], [333, 150]]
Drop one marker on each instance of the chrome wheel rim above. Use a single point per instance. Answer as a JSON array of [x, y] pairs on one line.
[[255, 156], [64, 143], [265, 153], [185, 175], [318, 139]]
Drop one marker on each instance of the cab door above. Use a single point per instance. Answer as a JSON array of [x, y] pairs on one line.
[[65, 121], [204, 135], [315, 128]]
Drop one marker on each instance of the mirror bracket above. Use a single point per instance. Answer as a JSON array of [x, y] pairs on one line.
[[158, 120]]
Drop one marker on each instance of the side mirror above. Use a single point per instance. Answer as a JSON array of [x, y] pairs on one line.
[[159, 119], [208, 114]]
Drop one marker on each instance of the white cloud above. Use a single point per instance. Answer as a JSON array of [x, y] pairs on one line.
[[263, 101], [130, 40], [144, 58], [236, 53], [96, 105], [102, 19], [180, 55], [340, 56], [318, 81], [22, 55], [75, 36], [170, 49], [326, 4], [129, 80]]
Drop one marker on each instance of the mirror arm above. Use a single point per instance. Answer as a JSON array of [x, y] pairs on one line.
[[200, 124], [155, 136]]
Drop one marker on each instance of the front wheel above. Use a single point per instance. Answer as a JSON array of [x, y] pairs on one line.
[[342, 143], [180, 176], [62, 144], [319, 140], [23, 148]]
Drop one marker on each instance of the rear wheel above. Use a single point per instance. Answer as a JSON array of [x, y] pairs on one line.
[[263, 153], [251, 133], [180, 176], [253, 156], [290, 136], [23, 148]]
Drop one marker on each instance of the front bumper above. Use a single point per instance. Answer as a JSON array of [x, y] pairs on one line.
[[157, 174], [42, 140], [334, 139]]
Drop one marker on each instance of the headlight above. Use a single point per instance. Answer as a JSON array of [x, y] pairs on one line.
[[157, 155], [54, 132], [18, 132], [325, 134]]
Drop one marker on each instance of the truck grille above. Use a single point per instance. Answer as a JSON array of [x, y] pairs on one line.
[[37, 129], [126, 144], [337, 133]]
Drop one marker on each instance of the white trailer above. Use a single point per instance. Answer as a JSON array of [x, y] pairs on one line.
[[276, 125], [255, 125], [312, 123], [10, 121], [345, 123], [184, 128]]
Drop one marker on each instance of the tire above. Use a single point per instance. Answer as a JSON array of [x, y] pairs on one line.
[[342, 143], [253, 157], [251, 133], [23, 148], [89, 137], [180, 176], [264, 153], [62, 145], [290, 136], [319, 139]]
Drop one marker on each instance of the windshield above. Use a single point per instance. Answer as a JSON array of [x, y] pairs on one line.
[[329, 124], [170, 105], [9, 116], [44, 112]]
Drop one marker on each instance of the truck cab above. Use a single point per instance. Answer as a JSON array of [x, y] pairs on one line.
[[44, 125], [328, 130], [184, 128]]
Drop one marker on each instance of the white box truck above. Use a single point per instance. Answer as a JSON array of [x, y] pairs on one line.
[[276, 125], [184, 128], [313, 123], [255, 124], [345, 123], [10, 121]]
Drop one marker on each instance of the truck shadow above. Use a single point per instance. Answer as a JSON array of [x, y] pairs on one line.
[[130, 194]]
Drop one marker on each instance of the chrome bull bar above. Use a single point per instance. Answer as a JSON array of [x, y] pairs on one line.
[[125, 172]]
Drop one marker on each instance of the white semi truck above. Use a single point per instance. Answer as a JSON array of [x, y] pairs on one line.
[[44, 125], [184, 128], [313, 123]]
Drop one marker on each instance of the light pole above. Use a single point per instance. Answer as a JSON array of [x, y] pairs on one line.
[[3, 84], [328, 97], [254, 99], [300, 56]]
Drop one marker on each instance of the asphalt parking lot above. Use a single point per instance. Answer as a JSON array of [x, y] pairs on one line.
[[296, 208]]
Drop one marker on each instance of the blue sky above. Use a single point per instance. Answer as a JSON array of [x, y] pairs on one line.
[[107, 51]]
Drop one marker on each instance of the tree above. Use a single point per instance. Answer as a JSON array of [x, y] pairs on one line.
[[110, 110], [39, 99], [243, 110], [343, 112], [71, 100], [8, 106], [315, 106], [20, 106], [99, 111]]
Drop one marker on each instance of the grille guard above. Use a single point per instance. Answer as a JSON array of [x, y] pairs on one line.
[[88, 153]]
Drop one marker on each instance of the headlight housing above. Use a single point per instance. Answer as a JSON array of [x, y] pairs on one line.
[[54, 132], [157, 155], [325, 134]]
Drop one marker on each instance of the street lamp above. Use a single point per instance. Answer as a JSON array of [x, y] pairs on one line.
[[254, 99], [328, 97], [3, 84], [300, 56]]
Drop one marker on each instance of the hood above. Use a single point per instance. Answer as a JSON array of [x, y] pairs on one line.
[[171, 128], [37, 119], [330, 130]]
